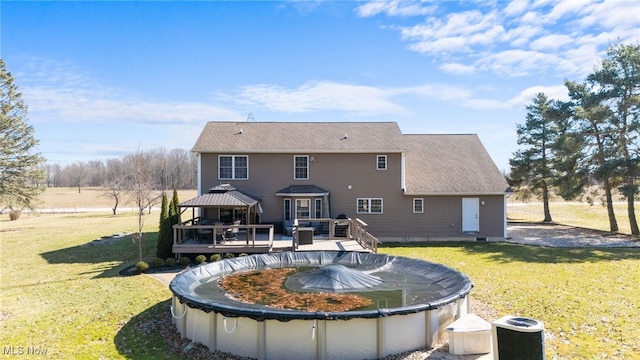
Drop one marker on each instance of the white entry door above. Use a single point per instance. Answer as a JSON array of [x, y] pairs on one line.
[[470, 214]]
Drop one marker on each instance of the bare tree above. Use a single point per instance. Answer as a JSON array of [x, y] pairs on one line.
[[116, 182], [140, 186]]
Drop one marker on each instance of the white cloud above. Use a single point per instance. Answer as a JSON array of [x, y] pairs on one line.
[[62, 92], [457, 69], [516, 7], [551, 42], [393, 8], [558, 92], [522, 37], [320, 96], [81, 105]]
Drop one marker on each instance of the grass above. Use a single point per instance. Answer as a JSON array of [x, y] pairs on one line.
[[68, 299], [573, 213], [60, 296], [92, 197], [586, 298]]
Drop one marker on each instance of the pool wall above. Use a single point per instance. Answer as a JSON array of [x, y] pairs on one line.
[[356, 338]]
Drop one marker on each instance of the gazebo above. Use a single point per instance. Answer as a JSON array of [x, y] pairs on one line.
[[226, 204]]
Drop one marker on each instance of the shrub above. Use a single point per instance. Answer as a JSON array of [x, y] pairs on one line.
[[142, 266], [229, 256], [184, 260], [215, 257], [170, 262], [244, 254], [201, 259], [14, 214], [157, 262]]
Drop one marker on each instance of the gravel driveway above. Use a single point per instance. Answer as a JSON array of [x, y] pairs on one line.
[[554, 235]]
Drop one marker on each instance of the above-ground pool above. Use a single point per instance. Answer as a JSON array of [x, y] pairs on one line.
[[410, 303]]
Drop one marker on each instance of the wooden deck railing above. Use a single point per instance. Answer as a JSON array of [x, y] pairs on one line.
[[192, 236], [362, 236]]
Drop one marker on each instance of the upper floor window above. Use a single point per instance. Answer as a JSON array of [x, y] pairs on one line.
[[418, 205], [381, 162], [369, 206], [233, 167], [301, 167]]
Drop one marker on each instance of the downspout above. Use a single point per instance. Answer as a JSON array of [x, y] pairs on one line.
[[199, 166], [403, 185], [505, 215]]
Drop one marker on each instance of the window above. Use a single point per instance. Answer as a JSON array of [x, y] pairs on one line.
[[301, 167], [418, 205], [233, 167], [303, 210], [318, 208], [287, 209], [381, 162], [369, 206]]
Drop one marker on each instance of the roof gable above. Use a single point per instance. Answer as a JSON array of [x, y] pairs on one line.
[[450, 164], [291, 137]]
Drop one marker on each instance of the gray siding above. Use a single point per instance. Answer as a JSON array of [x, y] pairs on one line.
[[442, 218]]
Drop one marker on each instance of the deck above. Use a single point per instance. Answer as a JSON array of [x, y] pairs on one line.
[[191, 237]]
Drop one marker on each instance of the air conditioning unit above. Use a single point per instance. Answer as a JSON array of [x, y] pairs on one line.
[[517, 338]]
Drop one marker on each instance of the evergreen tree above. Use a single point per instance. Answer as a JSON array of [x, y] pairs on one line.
[[176, 211], [590, 122], [617, 86], [165, 231], [21, 174], [532, 166]]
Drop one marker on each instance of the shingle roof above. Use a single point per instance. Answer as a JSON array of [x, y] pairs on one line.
[[450, 164], [272, 137], [221, 195], [302, 189]]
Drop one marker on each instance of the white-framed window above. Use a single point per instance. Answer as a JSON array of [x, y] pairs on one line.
[[381, 162], [287, 209], [233, 167], [418, 205], [318, 208], [303, 208], [369, 206], [301, 167]]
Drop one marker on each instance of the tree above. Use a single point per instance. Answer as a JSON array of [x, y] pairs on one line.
[[174, 204], [617, 86], [533, 165], [590, 122], [165, 232], [141, 188], [21, 174]]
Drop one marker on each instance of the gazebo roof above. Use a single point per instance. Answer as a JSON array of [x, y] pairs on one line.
[[221, 195]]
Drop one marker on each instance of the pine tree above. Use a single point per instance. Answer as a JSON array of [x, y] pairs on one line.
[[21, 174], [533, 165], [617, 86]]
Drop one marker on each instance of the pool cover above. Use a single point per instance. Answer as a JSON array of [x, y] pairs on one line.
[[416, 285]]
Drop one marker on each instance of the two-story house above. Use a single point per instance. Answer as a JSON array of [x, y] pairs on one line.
[[405, 187]]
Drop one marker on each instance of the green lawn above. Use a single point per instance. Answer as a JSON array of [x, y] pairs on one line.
[[586, 298], [65, 298]]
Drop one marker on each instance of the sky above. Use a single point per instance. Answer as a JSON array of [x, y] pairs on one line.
[[103, 79]]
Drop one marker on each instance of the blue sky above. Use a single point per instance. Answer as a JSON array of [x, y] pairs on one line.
[[103, 79]]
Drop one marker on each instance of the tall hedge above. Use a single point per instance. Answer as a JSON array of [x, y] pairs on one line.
[[165, 232]]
